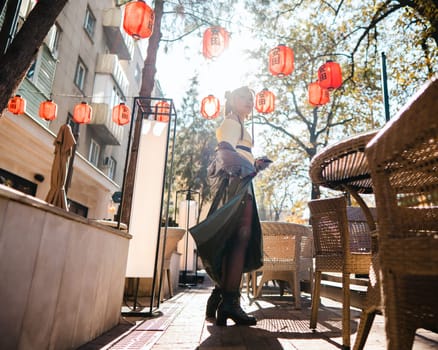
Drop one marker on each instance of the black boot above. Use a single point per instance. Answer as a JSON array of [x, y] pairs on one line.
[[213, 302], [230, 308]]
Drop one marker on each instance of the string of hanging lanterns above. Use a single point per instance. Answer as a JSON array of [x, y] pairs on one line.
[[83, 112], [138, 22], [281, 64], [216, 41]]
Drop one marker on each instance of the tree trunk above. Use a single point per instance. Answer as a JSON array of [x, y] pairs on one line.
[[24, 47], [148, 80]]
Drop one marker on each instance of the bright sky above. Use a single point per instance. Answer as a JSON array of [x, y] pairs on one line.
[[225, 72]]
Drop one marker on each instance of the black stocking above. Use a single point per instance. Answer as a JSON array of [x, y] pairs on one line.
[[235, 257]]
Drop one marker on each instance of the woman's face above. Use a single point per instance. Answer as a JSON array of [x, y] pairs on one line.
[[243, 103]]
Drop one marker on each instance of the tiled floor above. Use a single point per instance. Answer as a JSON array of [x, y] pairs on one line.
[[182, 326]]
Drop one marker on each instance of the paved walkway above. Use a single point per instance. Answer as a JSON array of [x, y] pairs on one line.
[[182, 326]]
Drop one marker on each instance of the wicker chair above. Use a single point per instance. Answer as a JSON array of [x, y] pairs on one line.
[[288, 253], [403, 158], [361, 236], [335, 251]]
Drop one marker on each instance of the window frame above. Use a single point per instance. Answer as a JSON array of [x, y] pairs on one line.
[[90, 25], [53, 39], [79, 79], [94, 153], [112, 166]]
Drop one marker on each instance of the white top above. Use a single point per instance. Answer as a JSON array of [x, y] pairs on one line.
[[231, 131]]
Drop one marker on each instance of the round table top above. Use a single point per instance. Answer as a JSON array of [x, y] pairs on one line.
[[344, 164]]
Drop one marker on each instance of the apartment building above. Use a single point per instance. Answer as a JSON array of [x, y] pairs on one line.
[[88, 57]]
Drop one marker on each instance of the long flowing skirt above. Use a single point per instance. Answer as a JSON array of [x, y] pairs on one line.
[[212, 235]]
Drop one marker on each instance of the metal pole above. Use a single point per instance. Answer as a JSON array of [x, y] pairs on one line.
[[166, 175], [125, 169], [385, 87]]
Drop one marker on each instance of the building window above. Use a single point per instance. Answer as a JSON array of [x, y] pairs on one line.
[[31, 71], [52, 39], [17, 182], [89, 23], [26, 6], [111, 164], [77, 208], [81, 72], [93, 156], [137, 73]]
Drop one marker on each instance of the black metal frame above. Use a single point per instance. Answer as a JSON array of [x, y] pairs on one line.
[[143, 107], [189, 193]]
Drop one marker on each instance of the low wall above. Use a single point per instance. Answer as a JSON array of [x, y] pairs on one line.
[[61, 276]]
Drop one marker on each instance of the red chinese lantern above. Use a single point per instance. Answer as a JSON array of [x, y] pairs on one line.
[[17, 105], [318, 96], [281, 61], [162, 111], [82, 113], [215, 41], [48, 110], [138, 20], [330, 75], [265, 101], [210, 107], [121, 114]]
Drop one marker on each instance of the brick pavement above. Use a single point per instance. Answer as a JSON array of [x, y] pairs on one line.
[[182, 326]]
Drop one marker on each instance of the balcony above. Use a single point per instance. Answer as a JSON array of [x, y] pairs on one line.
[[106, 130], [118, 41], [109, 64]]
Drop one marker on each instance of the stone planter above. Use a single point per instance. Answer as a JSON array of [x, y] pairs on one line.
[[62, 276]]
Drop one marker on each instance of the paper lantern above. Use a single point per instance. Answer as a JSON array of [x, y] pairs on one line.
[[162, 111], [17, 105], [138, 20], [265, 101], [121, 114], [48, 110], [210, 107], [215, 41], [318, 96], [281, 61], [330, 75], [82, 113]]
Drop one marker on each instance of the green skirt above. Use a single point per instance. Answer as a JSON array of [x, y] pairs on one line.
[[212, 234]]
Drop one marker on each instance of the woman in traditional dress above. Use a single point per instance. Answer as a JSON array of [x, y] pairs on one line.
[[229, 240]]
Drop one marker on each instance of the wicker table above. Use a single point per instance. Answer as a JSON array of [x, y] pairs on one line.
[[343, 166]]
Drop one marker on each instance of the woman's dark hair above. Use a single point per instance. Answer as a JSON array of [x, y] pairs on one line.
[[229, 97]]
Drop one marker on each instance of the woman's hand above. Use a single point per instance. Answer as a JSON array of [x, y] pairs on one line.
[[262, 163]]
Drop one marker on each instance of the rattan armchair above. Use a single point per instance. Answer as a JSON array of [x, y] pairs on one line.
[[403, 158], [336, 251], [287, 256]]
